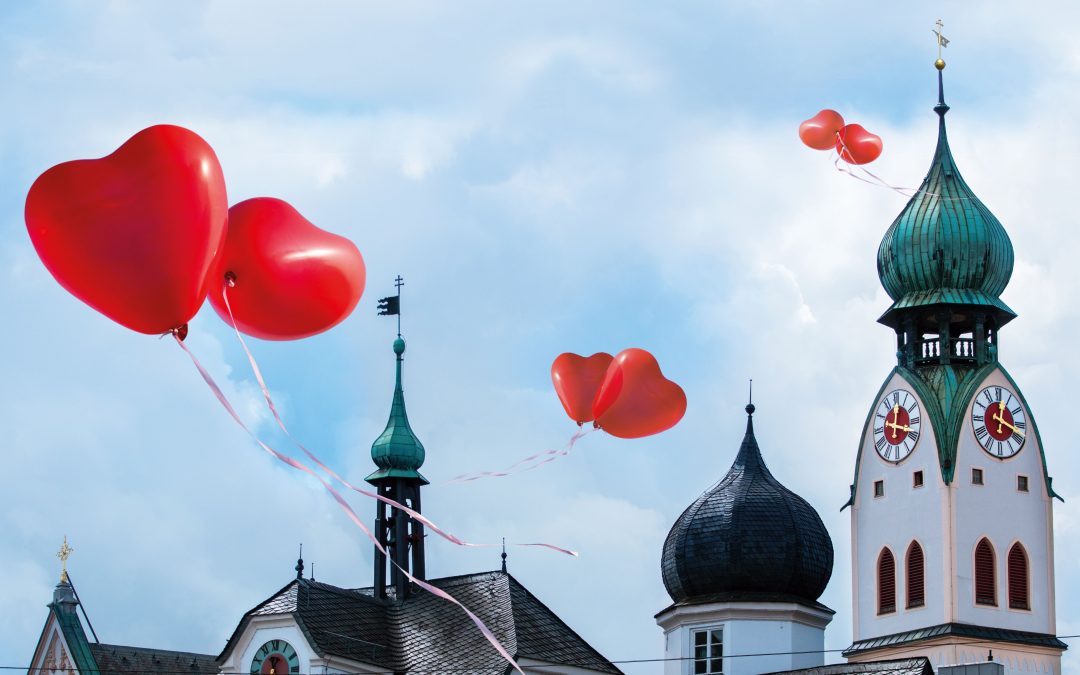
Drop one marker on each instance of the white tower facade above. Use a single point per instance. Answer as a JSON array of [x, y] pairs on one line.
[[952, 504]]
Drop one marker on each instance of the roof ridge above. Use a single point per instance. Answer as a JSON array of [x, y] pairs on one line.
[[105, 645]]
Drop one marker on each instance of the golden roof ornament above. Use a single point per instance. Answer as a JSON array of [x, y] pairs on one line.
[[942, 42], [64, 553]]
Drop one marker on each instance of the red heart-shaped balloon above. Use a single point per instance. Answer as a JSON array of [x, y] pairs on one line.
[[134, 234], [636, 399], [856, 145], [290, 279], [819, 132], [577, 380]]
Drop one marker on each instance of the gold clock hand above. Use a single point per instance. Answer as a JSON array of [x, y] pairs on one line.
[[895, 427], [896, 416], [1001, 421]]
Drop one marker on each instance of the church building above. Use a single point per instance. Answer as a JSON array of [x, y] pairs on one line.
[[952, 538]]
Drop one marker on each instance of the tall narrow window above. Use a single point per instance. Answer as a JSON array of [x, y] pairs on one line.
[[985, 582], [916, 588], [709, 651], [1018, 578], [886, 576]]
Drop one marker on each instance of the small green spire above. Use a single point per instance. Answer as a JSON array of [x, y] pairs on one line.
[[397, 451]]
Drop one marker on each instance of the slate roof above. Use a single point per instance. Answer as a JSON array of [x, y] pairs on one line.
[[426, 633], [958, 630], [916, 666], [747, 535], [119, 660]]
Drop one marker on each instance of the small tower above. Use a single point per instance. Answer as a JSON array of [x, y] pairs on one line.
[[744, 566], [398, 454]]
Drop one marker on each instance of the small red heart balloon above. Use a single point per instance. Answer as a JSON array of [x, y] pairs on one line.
[[636, 399], [819, 132], [856, 145], [134, 234], [577, 380], [290, 279]]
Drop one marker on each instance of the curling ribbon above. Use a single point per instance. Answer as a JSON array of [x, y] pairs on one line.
[[548, 455], [488, 635], [877, 181], [415, 515]]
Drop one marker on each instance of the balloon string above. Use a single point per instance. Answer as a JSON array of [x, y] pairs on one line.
[[531, 461], [345, 507], [415, 515], [877, 181]]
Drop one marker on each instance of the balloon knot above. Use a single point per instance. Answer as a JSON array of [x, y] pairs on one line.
[[230, 279], [179, 331]]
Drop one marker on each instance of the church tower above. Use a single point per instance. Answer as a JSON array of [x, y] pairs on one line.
[[744, 566], [951, 508], [398, 454]]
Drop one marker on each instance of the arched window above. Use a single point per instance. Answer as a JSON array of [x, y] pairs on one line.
[[1018, 578], [985, 581], [886, 576], [916, 588]]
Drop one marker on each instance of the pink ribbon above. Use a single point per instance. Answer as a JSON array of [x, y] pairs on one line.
[[415, 515], [548, 455], [488, 635]]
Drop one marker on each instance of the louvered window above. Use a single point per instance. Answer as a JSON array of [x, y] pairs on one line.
[[985, 593], [1018, 578], [886, 582], [916, 588]]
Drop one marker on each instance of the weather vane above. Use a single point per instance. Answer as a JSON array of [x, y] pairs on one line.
[[391, 305], [64, 553], [942, 42]]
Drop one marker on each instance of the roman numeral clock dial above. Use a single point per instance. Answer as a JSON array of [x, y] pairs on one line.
[[897, 423], [276, 657], [999, 422]]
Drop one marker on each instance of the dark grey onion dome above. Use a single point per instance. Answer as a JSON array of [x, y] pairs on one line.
[[747, 536]]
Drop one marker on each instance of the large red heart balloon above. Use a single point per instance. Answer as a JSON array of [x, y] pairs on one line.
[[577, 380], [856, 145], [290, 279], [134, 234], [636, 399], [819, 132]]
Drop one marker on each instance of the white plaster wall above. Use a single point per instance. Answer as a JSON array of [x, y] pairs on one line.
[[749, 636], [1015, 661], [809, 640], [998, 511], [904, 514]]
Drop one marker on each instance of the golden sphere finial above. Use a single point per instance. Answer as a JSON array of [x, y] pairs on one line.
[[939, 64]]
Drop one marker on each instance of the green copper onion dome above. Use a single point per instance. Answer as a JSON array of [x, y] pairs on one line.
[[945, 247], [397, 451]]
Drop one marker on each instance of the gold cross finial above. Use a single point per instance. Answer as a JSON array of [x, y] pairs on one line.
[[942, 42], [64, 553]]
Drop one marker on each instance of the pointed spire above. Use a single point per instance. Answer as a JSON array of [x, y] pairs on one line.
[[945, 247], [749, 457], [504, 555], [300, 564], [397, 451]]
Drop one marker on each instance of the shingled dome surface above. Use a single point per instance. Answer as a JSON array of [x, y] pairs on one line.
[[748, 537]]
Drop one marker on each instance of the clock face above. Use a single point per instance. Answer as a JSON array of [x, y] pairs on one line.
[[999, 422], [276, 657], [897, 425]]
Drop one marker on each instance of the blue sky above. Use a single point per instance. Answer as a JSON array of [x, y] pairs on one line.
[[565, 177]]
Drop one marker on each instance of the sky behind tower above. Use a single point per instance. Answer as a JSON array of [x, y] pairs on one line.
[[560, 177]]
